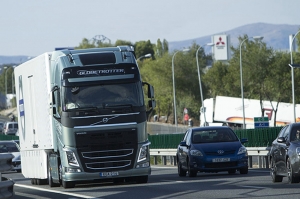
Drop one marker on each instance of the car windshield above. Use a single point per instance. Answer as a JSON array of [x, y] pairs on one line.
[[102, 96], [8, 147], [216, 135]]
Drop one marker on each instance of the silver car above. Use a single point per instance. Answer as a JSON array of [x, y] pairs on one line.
[[10, 128], [13, 148]]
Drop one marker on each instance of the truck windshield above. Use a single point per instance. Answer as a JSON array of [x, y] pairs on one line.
[[101, 96]]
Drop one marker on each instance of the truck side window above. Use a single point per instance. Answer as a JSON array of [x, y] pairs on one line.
[[57, 103]]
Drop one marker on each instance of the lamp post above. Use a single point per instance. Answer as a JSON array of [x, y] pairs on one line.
[[241, 74], [145, 56], [6, 80], [12, 81], [174, 94], [199, 77], [292, 74]]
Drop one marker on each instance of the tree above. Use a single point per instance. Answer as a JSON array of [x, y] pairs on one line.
[[85, 43], [215, 79], [144, 47], [277, 85], [159, 48], [123, 43], [165, 46]]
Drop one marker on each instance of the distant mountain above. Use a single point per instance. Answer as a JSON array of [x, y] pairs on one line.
[[13, 60], [275, 36]]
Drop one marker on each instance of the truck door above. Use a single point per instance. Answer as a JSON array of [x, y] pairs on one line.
[[32, 103]]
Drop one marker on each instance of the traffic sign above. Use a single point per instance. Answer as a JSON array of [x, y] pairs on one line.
[[261, 122]]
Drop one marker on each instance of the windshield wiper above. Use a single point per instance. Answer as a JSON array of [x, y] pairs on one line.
[[91, 108], [120, 106]]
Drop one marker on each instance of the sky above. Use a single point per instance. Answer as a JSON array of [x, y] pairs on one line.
[[33, 27]]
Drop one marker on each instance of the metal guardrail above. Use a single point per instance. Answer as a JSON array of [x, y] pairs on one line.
[[6, 185], [168, 136], [259, 153]]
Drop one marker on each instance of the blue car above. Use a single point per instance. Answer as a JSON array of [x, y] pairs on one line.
[[211, 149]]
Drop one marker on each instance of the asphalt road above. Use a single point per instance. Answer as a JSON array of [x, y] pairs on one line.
[[165, 183]]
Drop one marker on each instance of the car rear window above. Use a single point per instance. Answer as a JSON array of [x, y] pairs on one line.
[[8, 147], [214, 135]]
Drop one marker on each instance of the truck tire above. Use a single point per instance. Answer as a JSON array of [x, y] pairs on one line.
[[67, 184], [50, 180], [141, 179], [33, 181], [41, 181]]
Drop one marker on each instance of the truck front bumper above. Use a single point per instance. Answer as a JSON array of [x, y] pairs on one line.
[[85, 176]]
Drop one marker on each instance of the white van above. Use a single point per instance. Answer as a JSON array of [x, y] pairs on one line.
[[10, 128]]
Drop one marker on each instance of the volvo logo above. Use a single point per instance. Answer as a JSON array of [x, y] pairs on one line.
[[220, 151], [105, 120]]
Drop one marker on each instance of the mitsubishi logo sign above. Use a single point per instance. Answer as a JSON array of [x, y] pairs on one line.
[[221, 48], [220, 42]]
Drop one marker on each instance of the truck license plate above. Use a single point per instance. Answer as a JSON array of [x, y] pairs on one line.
[[221, 159], [108, 174]]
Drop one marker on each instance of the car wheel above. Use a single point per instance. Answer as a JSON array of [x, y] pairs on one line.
[[291, 176], [181, 172], [244, 170], [231, 171], [273, 171], [191, 172]]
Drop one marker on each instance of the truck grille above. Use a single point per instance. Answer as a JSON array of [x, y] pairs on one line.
[[107, 150]]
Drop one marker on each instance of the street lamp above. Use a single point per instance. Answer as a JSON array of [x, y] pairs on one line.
[[199, 77], [174, 95], [145, 56], [292, 74], [12, 80], [241, 74], [6, 80]]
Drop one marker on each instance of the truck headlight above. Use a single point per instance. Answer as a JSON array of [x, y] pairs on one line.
[[72, 160], [143, 152]]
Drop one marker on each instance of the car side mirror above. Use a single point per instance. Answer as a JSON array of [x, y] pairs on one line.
[[281, 140], [244, 140], [183, 143]]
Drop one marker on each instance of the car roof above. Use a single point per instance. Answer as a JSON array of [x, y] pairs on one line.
[[6, 141], [203, 128]]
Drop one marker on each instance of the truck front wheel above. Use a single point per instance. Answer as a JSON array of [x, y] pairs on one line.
[[67, 184], [50, 180], [142, 179]]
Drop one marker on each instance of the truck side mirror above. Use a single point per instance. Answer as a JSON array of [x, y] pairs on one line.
[[152, 103], [150, 90]]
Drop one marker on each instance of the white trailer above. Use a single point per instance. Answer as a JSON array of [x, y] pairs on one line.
[[34, 115], [229, 111]]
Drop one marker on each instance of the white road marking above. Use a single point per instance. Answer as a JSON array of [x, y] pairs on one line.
[[254, 187], [29, 195], [54, 191]]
